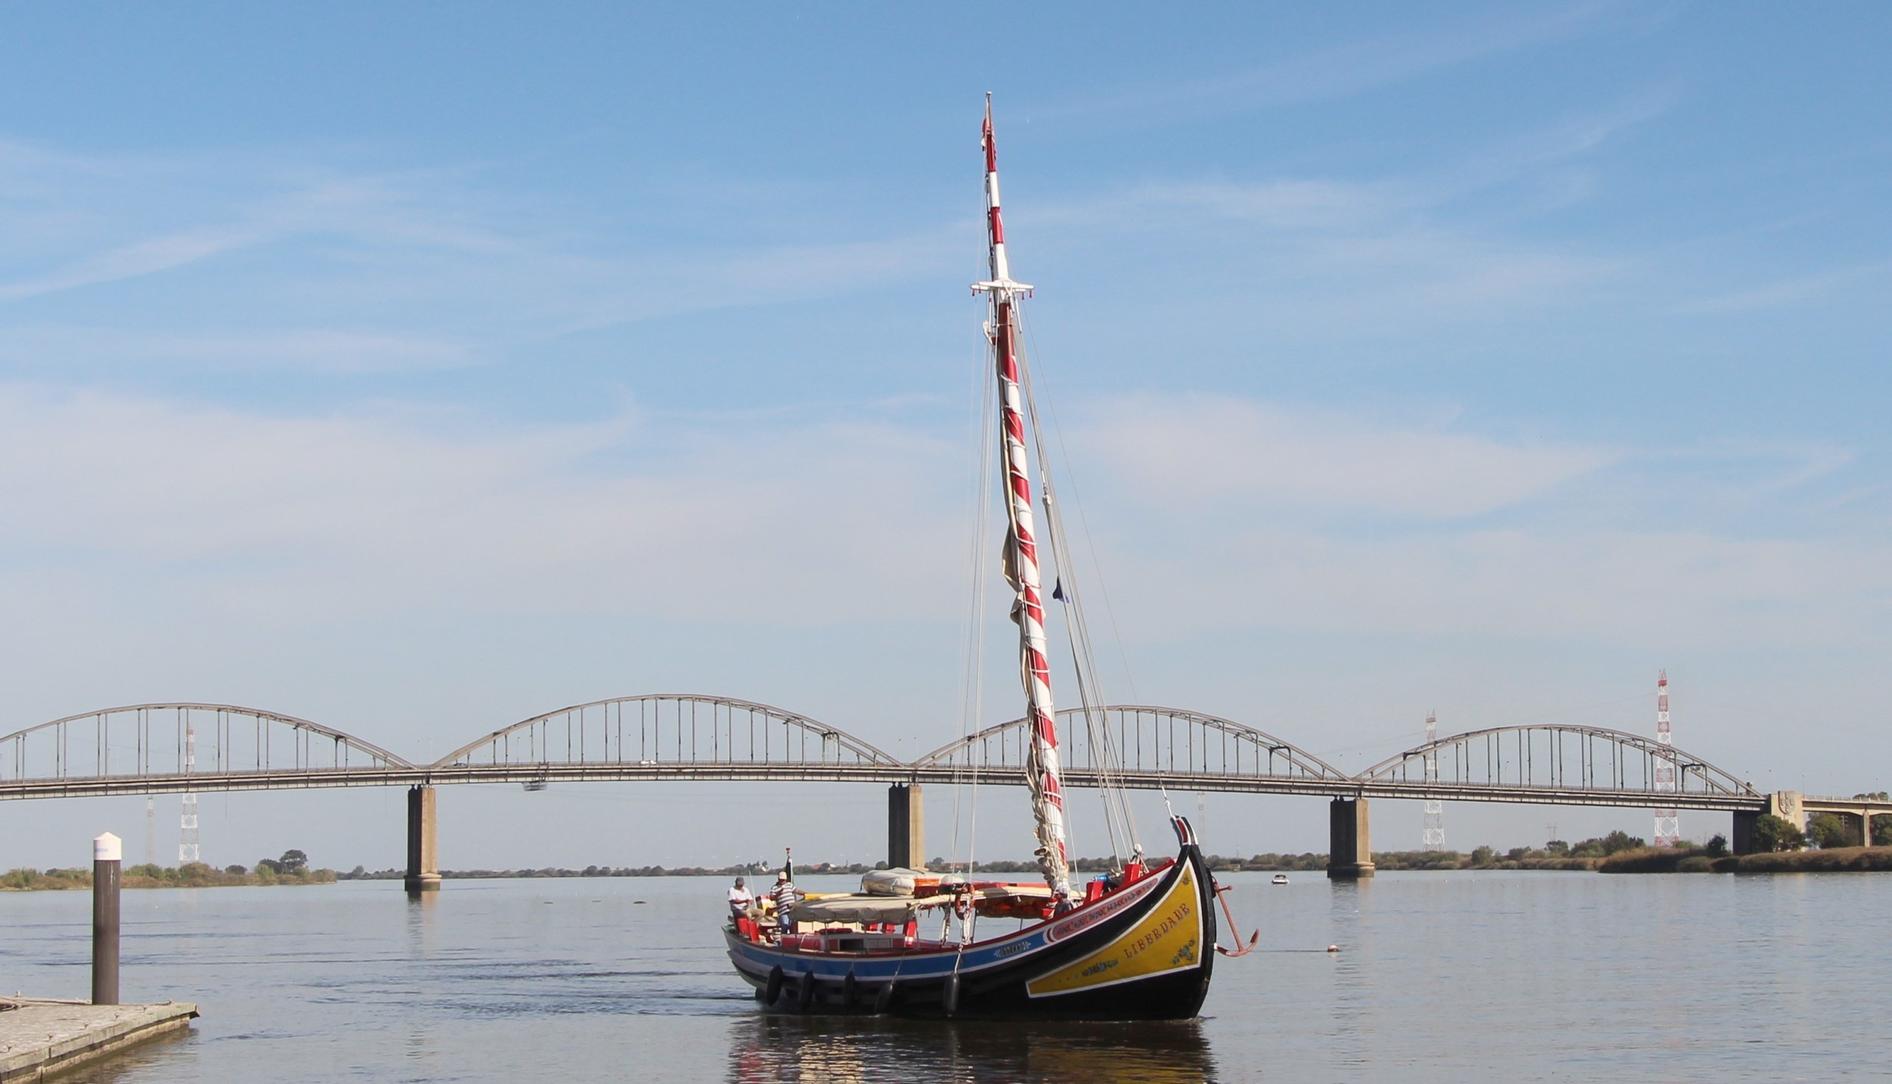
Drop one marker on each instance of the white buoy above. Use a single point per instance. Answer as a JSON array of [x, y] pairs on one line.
[[1333, 948]]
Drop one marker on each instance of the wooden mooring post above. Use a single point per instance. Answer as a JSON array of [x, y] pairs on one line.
[[107, 851]]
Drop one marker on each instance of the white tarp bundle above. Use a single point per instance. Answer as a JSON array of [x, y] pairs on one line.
[[856, 909], [898, 881]]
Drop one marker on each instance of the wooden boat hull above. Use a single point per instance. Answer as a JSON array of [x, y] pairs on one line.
[[1143, 952]]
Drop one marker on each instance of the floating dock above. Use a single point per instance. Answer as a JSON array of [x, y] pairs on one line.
[[39, 1038]]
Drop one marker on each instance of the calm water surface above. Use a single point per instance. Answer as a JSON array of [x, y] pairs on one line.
[[1442, 977]]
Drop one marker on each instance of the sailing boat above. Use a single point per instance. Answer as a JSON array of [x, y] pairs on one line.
[[1134, 944]]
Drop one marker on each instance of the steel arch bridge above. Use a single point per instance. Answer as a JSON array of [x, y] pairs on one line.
[[96, 751], [1555, 757], [139, 749], [668, 736], [1142, 745]]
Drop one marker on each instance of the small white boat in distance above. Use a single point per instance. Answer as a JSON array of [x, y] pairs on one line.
[[1280, 878]]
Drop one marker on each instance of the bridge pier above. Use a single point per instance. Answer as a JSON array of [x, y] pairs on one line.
[[1350, 850], [1784, 804], [423, 859], [906, 826]]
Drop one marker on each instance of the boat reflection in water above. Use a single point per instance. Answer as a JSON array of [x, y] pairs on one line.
[[775, 1047]]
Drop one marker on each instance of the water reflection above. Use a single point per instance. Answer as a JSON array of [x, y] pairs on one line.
[[420, 922], [1352, 995], [769, 1047]]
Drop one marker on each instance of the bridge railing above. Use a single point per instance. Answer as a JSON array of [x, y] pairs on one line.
[[159, 739]]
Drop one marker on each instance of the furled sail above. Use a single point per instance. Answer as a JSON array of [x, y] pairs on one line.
[[1021, 544]]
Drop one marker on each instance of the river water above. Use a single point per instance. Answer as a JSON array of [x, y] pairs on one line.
[[1441, 977]]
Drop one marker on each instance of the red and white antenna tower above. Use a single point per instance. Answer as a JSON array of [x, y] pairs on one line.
[[188, 849], [1668, 826], [1434, 836]]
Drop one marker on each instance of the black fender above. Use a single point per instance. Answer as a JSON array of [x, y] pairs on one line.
[[805, 997], [774, 988], [850, 990], [883, 1000]]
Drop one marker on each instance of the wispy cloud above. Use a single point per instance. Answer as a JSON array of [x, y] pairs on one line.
[[1242, 457], [1645, 591], [1784, 292], [362, 512], [48, 350], [1345, 70], [1283, 516], [138, 258]]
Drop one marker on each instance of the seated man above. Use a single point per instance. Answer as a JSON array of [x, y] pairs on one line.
[[739, 900]]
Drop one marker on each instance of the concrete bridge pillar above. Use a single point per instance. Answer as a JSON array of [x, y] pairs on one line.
[[1350, 854], [1741, 838], [1865, 828], [1784, 804], [423, 859], [906, 826]]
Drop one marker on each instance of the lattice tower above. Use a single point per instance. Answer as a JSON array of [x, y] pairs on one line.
[[1434, 837], [187, 848], [1668, 826]]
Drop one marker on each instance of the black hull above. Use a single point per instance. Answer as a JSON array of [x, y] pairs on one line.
[[1144, 953]]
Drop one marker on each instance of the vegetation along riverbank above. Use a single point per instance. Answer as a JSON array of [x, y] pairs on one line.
[[291, 869]]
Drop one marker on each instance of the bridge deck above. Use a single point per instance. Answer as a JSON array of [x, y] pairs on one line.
[[98, 786]]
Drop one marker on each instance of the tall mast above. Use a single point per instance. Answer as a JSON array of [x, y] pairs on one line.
[[1021, 542]]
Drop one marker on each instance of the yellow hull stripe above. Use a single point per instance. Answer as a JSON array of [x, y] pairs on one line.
[[1168, 939]]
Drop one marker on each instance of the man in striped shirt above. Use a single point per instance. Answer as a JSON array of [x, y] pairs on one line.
[[785, 897]]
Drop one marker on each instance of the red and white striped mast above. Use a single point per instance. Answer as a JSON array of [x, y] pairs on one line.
[[1021, 541]]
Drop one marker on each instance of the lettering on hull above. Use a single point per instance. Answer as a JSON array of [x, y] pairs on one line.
[[1168, 939]]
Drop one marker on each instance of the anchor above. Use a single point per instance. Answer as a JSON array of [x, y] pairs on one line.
[[1240, 949]]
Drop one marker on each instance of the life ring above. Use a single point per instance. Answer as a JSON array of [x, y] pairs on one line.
[[774, 988]]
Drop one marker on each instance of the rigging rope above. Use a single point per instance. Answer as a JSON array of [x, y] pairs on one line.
[[972, 687], [1111, 753], [1118, 822]]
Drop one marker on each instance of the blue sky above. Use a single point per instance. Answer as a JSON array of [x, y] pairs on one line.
[[417, 371]]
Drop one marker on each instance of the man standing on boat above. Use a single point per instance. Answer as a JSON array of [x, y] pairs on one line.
[[785, 896]]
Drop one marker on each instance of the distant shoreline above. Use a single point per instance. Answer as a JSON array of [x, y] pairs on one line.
[[62, 880], [1825, 860], [1638, 860]]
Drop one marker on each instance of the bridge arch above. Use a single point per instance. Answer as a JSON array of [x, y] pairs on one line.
[[669, 729], [1561, 756], [159, 738], [1150, 741]]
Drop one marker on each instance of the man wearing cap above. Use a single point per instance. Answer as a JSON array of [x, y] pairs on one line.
[[785, 897]]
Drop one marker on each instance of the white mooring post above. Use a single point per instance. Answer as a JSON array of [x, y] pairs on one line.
[[107, 851]]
